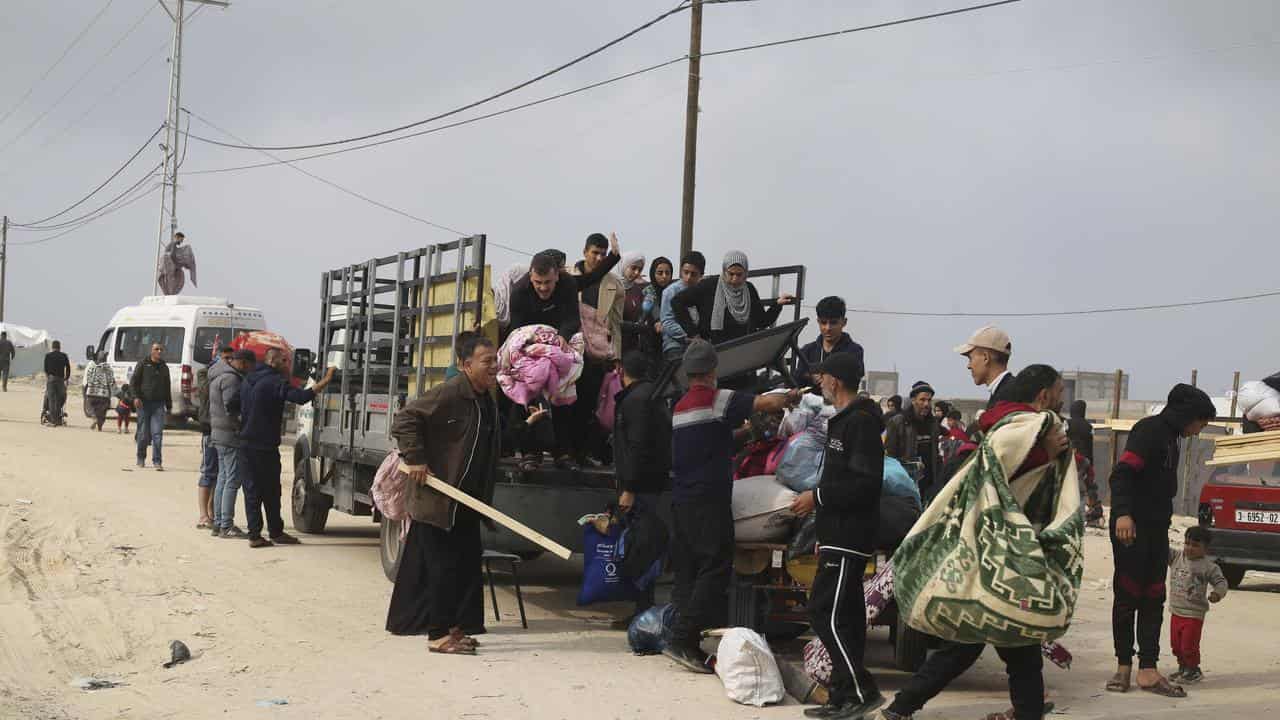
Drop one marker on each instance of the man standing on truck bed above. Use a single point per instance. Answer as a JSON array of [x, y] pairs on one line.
[[154, 402], [262, 397], [702, 450], [451, 433]]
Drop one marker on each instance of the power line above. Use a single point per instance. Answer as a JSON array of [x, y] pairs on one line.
[[117, 208], [57, 62], [32, 225], [107, 204], [92, 67], [575, 91], [1066, 313], [463, 108]]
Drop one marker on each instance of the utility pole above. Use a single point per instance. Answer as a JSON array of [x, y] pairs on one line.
[[691, 128], [172, 135], [4, 260]]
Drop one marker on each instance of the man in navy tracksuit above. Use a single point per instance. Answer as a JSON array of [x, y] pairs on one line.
[[262, 397], [847, 500]]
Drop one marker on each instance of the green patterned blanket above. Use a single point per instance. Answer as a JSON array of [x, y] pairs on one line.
[[993, 561]]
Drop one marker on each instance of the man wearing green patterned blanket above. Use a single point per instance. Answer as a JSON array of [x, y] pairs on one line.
[[1036, 389]]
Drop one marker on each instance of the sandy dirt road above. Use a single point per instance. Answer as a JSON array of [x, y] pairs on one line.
[[101, 566]]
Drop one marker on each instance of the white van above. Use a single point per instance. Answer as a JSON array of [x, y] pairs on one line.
[[189, 328]]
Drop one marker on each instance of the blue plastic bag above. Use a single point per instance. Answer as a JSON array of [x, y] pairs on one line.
[[650, 631], [897, 481], [801, 465], [602, 579]]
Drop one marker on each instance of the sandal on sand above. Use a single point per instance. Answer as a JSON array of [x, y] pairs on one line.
[[1164, 688], [1011, 715], [204, 525], [452, 645], [1119, 683]]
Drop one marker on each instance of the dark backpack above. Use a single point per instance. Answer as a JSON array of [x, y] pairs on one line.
[[644, 542]]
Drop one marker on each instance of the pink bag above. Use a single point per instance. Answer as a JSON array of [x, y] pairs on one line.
[[609, 389], [390, 489]]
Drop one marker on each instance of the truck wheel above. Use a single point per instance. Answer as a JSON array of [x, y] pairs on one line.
[[911, 649], [310, 506], [390, 547], [1234, 575]]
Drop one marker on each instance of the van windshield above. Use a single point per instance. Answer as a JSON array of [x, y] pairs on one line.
[[208, 340], [134, 343]]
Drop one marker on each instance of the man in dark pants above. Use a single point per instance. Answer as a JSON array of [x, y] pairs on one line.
[[57, 371], [847, 500], [262, 397], [451, 432], [702, 450], [7, 353], [641, 446], [1143, 484], [153, 401], [1036, 389]]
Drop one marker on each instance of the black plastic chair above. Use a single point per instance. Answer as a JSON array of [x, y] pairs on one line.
[[513, 567]]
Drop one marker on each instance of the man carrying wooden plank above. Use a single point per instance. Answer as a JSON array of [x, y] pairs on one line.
[[451, 432]]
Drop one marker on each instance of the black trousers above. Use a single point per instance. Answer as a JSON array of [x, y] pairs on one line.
[[260, 473], [1137, 610], [838, 613], [583, 435], [420, 579], [1024, 664], [702, 557]]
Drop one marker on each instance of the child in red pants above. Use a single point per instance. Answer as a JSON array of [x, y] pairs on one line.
[[1190, 576]]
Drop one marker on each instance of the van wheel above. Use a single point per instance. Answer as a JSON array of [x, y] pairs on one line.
[[911, 648], [1234, 575], [390, 548], [310, 506]]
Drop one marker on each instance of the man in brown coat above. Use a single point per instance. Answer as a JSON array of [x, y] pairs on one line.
[[451, 432]]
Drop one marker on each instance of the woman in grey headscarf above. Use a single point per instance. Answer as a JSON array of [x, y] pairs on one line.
[[631, 269], [728, 306]]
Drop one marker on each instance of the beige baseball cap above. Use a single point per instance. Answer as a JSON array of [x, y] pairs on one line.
[[989, 337]]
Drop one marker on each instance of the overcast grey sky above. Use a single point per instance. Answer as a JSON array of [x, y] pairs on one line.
[[1037, 156]]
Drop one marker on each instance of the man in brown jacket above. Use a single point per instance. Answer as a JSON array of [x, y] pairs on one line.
[[451, 432]]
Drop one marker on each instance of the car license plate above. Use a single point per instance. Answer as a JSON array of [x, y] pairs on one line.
[[1258, 517]]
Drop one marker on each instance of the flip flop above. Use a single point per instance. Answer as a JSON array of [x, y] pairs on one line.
[[452, 646], [1119, 683], [1164, 688]]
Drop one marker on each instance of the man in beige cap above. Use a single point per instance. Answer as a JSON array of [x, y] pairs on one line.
[[988, 351]]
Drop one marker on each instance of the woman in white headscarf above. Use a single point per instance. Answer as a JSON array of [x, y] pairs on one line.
[[728, 306], [633, 283]]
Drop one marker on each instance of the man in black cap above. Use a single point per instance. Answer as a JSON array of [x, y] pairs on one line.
[[847, 500], [912, 438], [702, 450]]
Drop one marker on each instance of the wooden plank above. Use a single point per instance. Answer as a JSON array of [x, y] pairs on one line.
[[494, 514]]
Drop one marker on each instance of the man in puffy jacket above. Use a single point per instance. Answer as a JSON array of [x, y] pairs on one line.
[[224, 422], [208, 478], [847, 500], [154, 401], [262, 398]]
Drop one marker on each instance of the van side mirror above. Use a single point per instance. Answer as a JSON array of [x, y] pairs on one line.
[[303, 360], [90, 353]]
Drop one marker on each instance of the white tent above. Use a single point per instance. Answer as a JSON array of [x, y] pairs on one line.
[[31, 344], [22, 336]]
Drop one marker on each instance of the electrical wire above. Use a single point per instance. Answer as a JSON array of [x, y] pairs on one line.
[[92, 68], [463, 108], [584, 88], [56, 63], [81, 201], [107, 204], [1067, 313], [117, 208]]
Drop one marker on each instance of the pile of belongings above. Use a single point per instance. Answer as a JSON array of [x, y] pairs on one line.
[[1260, 399], [804, 428], [997, 557], [534, 364]]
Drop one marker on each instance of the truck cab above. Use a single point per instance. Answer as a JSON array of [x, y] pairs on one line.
[[1241, 506]]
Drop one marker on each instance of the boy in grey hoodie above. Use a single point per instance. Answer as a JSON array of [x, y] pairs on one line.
[[224, 421], [1190, 575]]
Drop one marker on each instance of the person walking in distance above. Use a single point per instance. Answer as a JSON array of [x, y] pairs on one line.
[[988, 351], [262, 397], [7, 353], [99, 386], [450, 433], [1143, 483], [224, 421], [702, 449], [153, 400], [208, 478], [847, 501], [57, 371]]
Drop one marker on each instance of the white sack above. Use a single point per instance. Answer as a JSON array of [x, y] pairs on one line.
[[746, 666]]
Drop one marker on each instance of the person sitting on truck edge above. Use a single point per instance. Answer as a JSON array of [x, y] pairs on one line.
[[451, 433], [225, 380], [702, 448], [1143, 484], [832, 339], [208, 478], [57, 371], [547, 295], [674, 341], [262, 397], [153, 399], [847, 500]]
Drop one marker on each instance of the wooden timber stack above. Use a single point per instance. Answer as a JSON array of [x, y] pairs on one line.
[[1235, 449]]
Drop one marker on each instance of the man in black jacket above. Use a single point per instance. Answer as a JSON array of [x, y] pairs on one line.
[[1143, 484], [912, 438], [7, 353], [988, 351], [832, 339], [548, 295], [154, 402], [57, 371], [847, 500]]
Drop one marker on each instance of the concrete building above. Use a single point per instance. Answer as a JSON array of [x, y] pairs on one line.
[[882, 383], [1083, 385]]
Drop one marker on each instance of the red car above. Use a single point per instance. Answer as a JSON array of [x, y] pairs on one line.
[[1241, 505]]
